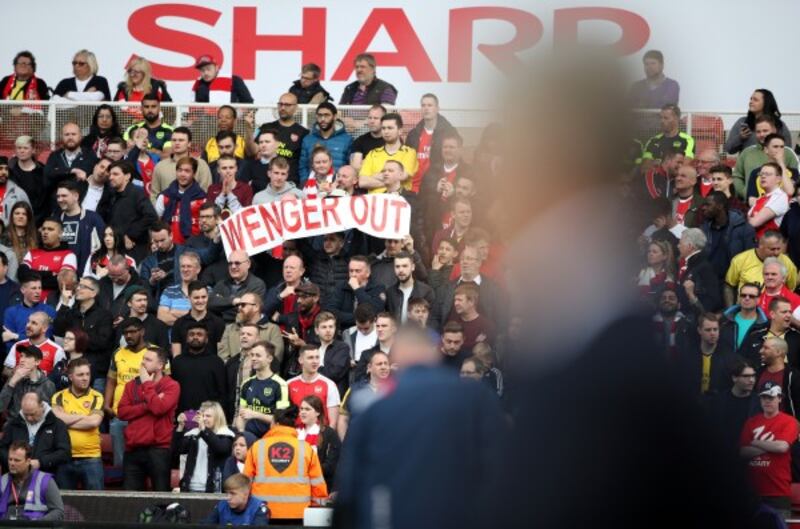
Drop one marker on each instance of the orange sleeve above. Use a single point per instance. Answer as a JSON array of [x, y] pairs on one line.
[[318, 487], [250, 462]]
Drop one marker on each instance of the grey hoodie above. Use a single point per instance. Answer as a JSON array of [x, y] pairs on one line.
[[269, 194], [11, 397]]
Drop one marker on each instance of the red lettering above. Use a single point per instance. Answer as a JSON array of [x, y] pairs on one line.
[[399, 206], [635, 30], [354, 202], [143, 26], [250, 227], [309, 207], [246, 42], [528, 31], [374, 214], [410, 51], [272, 220], [293, 215], [329, 208], [234, 236]]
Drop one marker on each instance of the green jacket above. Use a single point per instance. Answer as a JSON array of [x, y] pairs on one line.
[[752, 158]]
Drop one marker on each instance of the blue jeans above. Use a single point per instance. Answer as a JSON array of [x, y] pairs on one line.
[[85, 470], [117, 431]]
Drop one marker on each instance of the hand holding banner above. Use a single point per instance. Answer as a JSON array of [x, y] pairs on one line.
[[256, 229]]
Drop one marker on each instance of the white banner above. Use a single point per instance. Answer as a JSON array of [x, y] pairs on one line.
[[458, 49], [256, 229]]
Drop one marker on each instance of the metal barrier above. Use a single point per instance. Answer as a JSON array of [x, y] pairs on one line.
[[42, 120]]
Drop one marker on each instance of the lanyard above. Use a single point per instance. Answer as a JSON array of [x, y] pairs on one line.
[[14, 492]]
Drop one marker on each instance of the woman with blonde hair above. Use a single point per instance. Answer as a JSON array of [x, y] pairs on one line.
[[207, 447], [660, 271], [85, 85], [139, 82]]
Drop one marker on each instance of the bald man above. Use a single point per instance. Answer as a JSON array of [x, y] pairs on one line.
[[70, 161], [687, 201], [238, 281], [290, 133]]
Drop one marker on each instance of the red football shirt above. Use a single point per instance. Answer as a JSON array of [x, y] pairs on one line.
[[681, 209], [321, 386], [770, 473], [423, 158]]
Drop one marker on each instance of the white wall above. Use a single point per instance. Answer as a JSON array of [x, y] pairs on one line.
[[712, 48]]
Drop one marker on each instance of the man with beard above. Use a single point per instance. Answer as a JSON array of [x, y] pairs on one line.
[[158, 132], [371, 176], [200, 373], [405, 287], [179, 204], [209, 217], [167, 169], [10, 192], [130, 213], [299, 325], [198, 297], [226, 122], [372, 139], [240, 280], [329, 132], [290, 133], [71, 161], [249, 313], [83, 230], [96, 187]]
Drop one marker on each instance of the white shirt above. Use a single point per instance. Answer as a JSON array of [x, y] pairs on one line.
[[406, 295], [92, 198], [364, 342]]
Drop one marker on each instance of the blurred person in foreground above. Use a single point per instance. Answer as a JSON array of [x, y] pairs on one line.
[[623, 441]]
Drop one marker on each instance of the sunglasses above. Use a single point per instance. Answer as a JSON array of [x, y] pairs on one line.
[[748, 296], [79, 63]]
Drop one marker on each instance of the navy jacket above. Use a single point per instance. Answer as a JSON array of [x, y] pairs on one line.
[[446, 450], [344, 298], [731, 240]]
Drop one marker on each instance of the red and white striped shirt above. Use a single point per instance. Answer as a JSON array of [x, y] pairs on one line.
[[321, 386], [52, 353]]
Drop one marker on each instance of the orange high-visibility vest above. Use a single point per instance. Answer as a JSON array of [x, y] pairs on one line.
[[286, 472]]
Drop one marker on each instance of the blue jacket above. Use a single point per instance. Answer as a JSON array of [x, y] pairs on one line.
[[338, 144], [207, 255], [448, 449], [737, 237], [255, 513], [16, 318]]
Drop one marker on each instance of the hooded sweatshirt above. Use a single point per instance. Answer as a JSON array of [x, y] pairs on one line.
[[269, 194]]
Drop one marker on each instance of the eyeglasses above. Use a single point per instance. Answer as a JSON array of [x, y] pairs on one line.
[[79, 63], [21, 63], [237, 263], [748, 296]]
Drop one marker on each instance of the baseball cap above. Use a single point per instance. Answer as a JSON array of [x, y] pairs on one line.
[[30, 350], [770, 389], [203, 60], [307, 288]]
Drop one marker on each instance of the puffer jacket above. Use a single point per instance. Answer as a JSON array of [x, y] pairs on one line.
[[339, 145]]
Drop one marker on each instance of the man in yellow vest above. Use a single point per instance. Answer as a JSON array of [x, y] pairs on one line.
[[286, 471]]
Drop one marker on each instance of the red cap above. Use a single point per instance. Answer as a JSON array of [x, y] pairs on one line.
[[203, 60]]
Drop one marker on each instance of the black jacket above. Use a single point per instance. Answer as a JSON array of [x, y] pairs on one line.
[[201, 377], [219, 449], [734, 238], [51, 446], [42, 89], [707, 286], [789, 387], [394, 297], [239, 91], [305, 95], [131, 213], [344, 299], [97, 82], [337, 365], [33, 183], [690, 365], [729, 330], [374, 92], [755, 338], [117, 306], [58, 167], [443, 126], [98, 325], [325, 271], [328, 448], [220, 301], [382, 269], [492, 303]]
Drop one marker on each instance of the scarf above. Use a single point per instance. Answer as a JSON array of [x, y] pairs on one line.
[[183, 201], [31, 88], [307, 321]]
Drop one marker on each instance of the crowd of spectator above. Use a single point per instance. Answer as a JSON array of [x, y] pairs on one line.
[[123, 314]]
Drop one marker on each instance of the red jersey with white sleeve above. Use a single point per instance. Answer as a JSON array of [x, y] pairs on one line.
[[766, 299], [776, 200], [705, 187], [52, 354], [681, 208], [423, 158], [770, 473], [53, 261], [320, 385]]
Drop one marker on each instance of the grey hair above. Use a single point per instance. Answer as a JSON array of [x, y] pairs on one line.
[[91, 60], [695, 237], [779, 343], [775, 261]]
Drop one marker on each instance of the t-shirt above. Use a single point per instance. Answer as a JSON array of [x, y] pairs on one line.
[[264, 396], [290, 142], [173, 298], [321, 386], [124, 367], [705, 376], [85, 443], [52, 354], [778, 202], [743, 326], [366, 142], [69, 233], [770, 473], [746, 267], [377, 158]]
